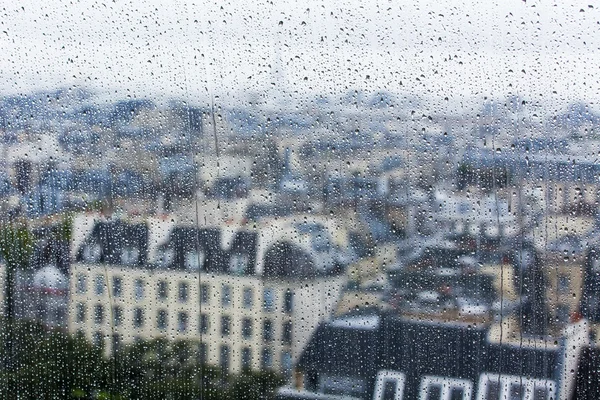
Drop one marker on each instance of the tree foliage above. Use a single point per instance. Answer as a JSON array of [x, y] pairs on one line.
[[56, 365]]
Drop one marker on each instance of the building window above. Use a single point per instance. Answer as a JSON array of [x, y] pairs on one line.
[[99, 285], [117, 315], [80, 312], [246, 359], [437, 387], [117, 288], [183, 292], [92, 253], [224, 359], [204, 322], [248, 297], [98, 314], [269, 299], [203, 353], [130, 255], [116, 342], [98, 339], [389, 385], [563, 284], [162, 291], [225, 325], [288, 302], [286, 363], [182, 321], [193, 260], [81, 283], [286, 334], [238, 264], [225, 295], [247, 328], [204, 293], [165, 257], [162, 320], [499, 387], [267, 358], [268, 330], [139, 289], [138, 317], [563, 313]]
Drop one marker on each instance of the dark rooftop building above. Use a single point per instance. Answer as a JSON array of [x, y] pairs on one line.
[[116, 242], [381, 356]]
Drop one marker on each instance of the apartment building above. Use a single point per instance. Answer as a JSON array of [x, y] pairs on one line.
[[193, 288]]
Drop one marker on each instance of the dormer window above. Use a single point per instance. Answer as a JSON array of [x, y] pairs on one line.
[[389, 385], [444, 388], [165, 257], [498, 387], [238, 264], [130, 255], [194, 260], [92, 252]]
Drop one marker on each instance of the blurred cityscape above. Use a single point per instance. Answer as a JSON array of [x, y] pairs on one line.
[[358, 247]]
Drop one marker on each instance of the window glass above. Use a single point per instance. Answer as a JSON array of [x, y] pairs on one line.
[[286, 363], [204, 323], [98, 314], [267, 358], [130, 255], [246, 358], [269, 299], [117, 315], [225, 295], [288, 302], [194, 260], [203, 353], [162, 319], [247, 328], [138, 317], [204, 294], [182, 321], [81, 283], [92, 253], [98, 339], [224, 358], [286, 336], [238, 264], [99, 285], [162, 291], [183, 292], [268, 333], [300, 200], [80, 312], [225, 325], [116, 342], [248, 297], [117, 286], [165, 257], [139, 289]]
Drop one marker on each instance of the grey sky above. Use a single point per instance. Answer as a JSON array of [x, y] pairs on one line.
[[433, 49]]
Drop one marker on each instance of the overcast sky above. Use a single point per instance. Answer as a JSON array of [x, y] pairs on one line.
[[463, 51]]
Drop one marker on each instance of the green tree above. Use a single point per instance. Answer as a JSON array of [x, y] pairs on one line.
[[254, 385], [16, 246], [51, 365]]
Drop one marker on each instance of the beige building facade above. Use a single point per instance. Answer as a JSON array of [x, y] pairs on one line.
[[237, 321]]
